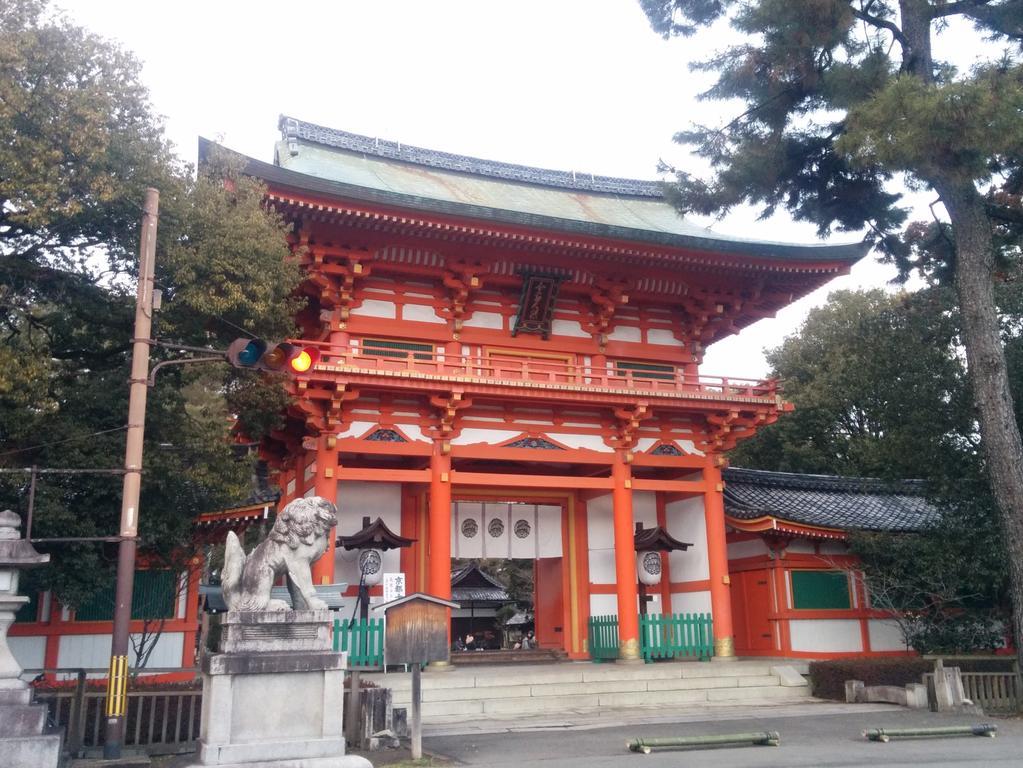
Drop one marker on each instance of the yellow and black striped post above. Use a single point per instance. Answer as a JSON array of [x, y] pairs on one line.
[[117, 687]]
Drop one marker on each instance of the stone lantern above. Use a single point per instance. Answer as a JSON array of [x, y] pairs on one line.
[[22, 742]]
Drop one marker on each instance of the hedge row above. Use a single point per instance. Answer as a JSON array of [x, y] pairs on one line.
[[827, 678]]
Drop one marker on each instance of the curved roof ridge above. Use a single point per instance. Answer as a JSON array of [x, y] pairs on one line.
[[292, 130], [845, 483]]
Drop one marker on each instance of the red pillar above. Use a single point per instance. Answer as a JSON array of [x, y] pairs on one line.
[[717, 555], [438, 577], [625, 560], [325, 485]]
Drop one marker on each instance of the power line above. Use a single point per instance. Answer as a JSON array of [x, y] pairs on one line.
[[61, 442]]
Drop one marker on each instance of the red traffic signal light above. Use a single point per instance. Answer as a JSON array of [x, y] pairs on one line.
[[286, 357]]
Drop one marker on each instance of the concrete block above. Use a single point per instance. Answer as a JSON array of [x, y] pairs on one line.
[[540, 704], [692, 683], [626, 672], [653, 698], [532, 677], [738, 669], [788, 675], [757, 680], [30, 751], [602, 686], [494, 692], [763, 693], [22, 720], [442, 708], [916, 696], [855, 691]]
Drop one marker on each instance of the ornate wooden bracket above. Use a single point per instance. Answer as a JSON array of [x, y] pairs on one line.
[[444, 425], [624, 432], [725, 429], [607, 296], [323, 409], [460, 278], [331, 276]]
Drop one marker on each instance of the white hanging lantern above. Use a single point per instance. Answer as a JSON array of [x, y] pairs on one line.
[[648, 567], [371, 566]]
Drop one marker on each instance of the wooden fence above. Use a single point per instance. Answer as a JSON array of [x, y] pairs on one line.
[[994, 691], [661, 636], [160, 722], [363, 641]]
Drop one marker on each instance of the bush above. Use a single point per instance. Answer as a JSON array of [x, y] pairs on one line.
[[827, 678]]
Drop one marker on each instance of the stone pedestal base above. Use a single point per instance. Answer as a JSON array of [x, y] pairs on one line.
[[22, 741], [280, 706]]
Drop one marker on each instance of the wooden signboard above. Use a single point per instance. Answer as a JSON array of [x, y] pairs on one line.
[[416, 633]]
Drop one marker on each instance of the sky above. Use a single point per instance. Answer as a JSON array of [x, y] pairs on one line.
[[580, 85]]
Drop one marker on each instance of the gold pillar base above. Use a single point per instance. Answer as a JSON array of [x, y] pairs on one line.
[[628, 652], [724, 648]]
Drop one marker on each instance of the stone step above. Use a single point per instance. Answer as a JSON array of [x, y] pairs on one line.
[[583, 702]]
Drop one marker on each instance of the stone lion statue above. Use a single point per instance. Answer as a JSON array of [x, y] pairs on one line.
[[297, 540]]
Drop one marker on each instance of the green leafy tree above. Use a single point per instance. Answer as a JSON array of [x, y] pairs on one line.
[[880, 390], [843, 96], [79, 144]]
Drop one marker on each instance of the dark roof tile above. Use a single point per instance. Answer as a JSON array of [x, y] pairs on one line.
[[847, 503], [294, 130]]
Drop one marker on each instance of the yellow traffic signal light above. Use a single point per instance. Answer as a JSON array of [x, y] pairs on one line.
[[258, 355]]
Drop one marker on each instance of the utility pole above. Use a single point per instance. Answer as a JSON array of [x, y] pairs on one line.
[[117, 681]]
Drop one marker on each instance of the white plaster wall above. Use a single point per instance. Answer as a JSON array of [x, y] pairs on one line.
[[375, 308], [644, 508], [30, 652], [885, 635], [600, 532], [685, 521], [94, 651], [626, 333], [589, 442], [568, 328], [661, 336], [688, 446], [421, 313], [800, 547], [357, 429], [603, 605], [490, 436], [354, 501], [751, 548], [690, 602], [493, 320], [825, 635]]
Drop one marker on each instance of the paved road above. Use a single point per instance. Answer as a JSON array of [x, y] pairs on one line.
[[818, 736]]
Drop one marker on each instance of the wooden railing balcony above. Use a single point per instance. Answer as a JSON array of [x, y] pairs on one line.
[[542, 373]]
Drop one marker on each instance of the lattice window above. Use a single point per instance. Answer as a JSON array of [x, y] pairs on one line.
[[820, 590], [645, 370], [392, 348]]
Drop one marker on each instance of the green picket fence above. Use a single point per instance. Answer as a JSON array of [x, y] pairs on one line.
[[661, 636], [676, 635], [363, 641], [603, 638]]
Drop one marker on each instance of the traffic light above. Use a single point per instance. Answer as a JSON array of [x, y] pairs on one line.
[[284, 357]]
